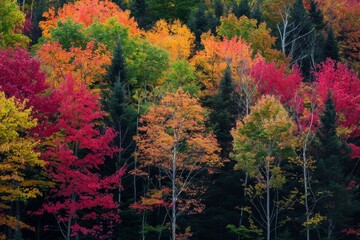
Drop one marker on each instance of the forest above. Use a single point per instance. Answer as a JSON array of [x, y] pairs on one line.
[[180, 119]]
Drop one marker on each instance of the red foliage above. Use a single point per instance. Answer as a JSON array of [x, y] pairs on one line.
[[345, 87], [274, 81], [74, 161], [21, 77]]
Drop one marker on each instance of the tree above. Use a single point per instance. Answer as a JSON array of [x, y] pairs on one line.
[[87, 65], [11, 23], [21, 77], [217, 55], [344, 85], [81, 201], [21, 168], [223, 115], [272, 80], [241, 9], [173, 139], [87, 12], [331, 48], [201, 21], [138, 10], [176, 38], [261, 142], [331, 154]]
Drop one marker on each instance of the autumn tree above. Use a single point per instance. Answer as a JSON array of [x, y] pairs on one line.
[[262, 142], [173, 139], [21, 77], [11, 23], [81, 201], [18, 159], [216, 55], [176, 38], [87, 12]]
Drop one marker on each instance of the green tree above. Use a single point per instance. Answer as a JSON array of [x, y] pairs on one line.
[[332, 154], [11, 23], [201, 21], [223, 115], [241, 9], [262, 141], [331, 48]]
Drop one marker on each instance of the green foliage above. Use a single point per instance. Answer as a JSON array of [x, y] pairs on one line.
[[181, 74], [224, 113], [11, 23], [201, 21], [251, 233], [70, 34], [332, 154]]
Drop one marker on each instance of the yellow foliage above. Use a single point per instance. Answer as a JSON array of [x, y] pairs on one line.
[[176, 38]]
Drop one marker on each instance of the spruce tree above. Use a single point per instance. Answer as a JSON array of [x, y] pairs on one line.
[[331, 48], [200, 22], [241, 9], [218, 9], [300, 38], [223, 115], [331, 154], [316, 16], [138, 10]]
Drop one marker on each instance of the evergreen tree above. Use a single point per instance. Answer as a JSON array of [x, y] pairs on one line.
[[316, 16], [331, 154], [301, 38], [218, 9], [200, 22], [256, 12], [331, 48], [241, 9], [223, 116], [138, 10]]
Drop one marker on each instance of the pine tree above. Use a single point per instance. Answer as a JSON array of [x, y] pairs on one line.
[[331, 48], [241, 9], [218, 8], [300, 38], [331, 154], [316, 16], [201, 22], [138, 10], [223, 116]]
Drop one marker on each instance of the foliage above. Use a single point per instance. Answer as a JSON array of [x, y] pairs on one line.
[[11, 23], [18, 159], [176, 38], [74, 158]]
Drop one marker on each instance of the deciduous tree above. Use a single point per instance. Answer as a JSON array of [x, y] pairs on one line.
[[173, 139]]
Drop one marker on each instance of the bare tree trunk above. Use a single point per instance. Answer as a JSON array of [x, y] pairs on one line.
[[173, 182]]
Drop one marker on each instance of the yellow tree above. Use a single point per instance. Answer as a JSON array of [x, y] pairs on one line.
[[173, 138], [18, 158], [176, 38], [262, 141], [11, 23]]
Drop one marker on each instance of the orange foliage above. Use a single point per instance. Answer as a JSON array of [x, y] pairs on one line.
[[176, 38], [217, 54], [87, 12], [86, 66]]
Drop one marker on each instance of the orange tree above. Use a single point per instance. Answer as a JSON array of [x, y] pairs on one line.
[[173, 139]]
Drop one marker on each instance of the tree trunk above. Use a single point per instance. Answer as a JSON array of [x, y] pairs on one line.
[[268, 200], [173, 182]]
